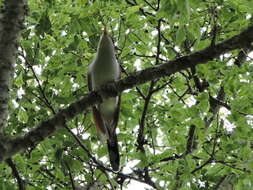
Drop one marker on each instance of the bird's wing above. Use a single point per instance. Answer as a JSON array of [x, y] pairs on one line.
[[100, 126], [99, 123], [116, 115], [89, 82], [117, 110]]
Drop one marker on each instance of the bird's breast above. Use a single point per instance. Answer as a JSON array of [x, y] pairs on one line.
[[103, 73], [107, 110]]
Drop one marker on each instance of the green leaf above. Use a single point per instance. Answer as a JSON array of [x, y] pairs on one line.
[[180, 35], [125, 52], [203, 105], [131, 10], [194, 29], [19, 80], [184, 8], [59, 154], [44, 25], [22, 115], [143, 159]]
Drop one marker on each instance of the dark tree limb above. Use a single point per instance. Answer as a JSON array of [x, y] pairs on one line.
[[190, 140], [141, 139], [215, 106]]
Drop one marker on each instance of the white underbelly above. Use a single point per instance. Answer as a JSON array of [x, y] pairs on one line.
[[102, 74], [107, 110]]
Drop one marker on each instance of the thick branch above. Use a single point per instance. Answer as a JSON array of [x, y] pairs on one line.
[[10, 26], [10, 147]]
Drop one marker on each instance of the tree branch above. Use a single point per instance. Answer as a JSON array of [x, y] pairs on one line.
[[21, 184], [70, 176]]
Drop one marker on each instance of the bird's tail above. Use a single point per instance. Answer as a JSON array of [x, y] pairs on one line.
[[113, 150]]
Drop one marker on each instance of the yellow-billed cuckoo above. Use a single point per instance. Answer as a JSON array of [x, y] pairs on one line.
[[102, 70]]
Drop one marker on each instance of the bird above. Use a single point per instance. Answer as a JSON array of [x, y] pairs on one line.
[[103, 69]]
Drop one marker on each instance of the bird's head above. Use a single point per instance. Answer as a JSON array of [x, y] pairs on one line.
[[105, 46], [105, 42]]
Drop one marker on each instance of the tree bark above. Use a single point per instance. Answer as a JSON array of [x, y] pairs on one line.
[[11, 24]]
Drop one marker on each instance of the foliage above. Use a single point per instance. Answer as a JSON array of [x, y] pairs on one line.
[[197, 123]]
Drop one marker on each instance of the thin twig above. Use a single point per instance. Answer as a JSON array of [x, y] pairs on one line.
[[203, 165], [149, 4], [137, 88], [15, 173], [70, 176]]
